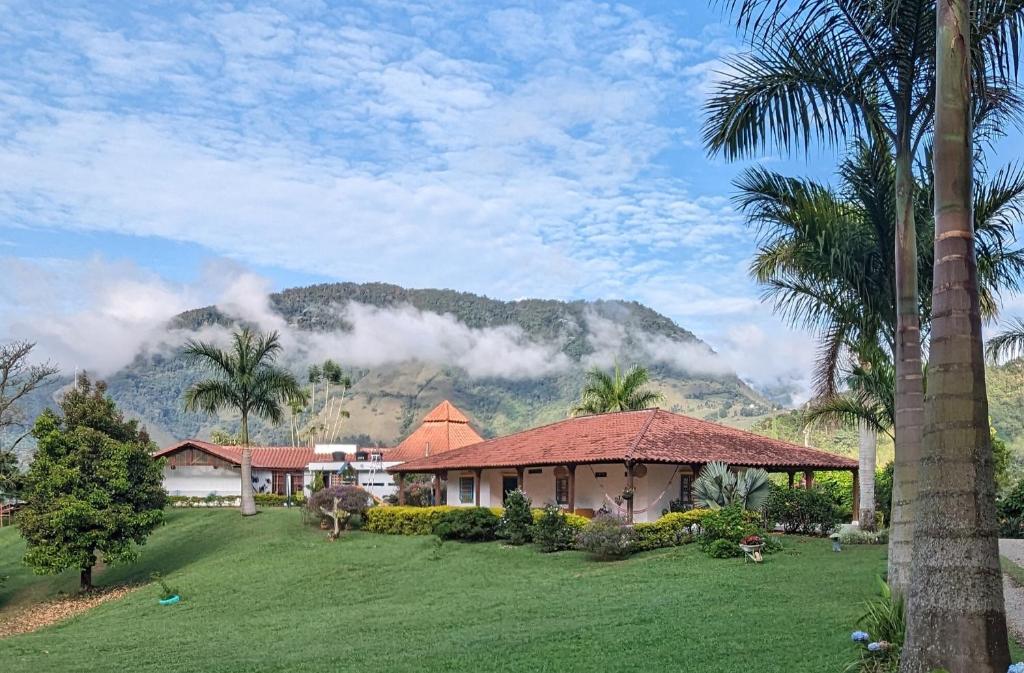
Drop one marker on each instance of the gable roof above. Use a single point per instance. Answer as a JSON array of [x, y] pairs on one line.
[[263, 457], [649, 436], [444, 429]]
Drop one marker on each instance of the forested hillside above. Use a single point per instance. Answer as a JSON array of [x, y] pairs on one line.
[[386, 401]]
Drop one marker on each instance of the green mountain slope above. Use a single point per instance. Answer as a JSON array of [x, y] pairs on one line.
[[385, 402]]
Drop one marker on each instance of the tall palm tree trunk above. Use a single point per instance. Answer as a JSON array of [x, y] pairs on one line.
[[909, 399], [248, 499], [956, 619], [868, 437]]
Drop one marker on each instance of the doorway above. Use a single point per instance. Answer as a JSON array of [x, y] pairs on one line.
[[508, 484]]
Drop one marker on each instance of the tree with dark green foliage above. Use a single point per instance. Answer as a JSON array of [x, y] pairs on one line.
[[517, 519], [604, 392], [246, 379], [93, 487]]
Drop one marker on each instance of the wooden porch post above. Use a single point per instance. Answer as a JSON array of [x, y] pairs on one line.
[[401, 488], [630, 487], [437, 488], [856, 499], [791, 474], [520, 478], [572, 488], [476, 483], [808, 479]]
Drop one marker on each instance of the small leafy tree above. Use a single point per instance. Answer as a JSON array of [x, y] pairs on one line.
[[93, 487], [339, 504], [552, 531], [517, 520], [717, 486]]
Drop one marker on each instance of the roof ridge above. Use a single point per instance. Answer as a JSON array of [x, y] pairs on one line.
[[640, 436]]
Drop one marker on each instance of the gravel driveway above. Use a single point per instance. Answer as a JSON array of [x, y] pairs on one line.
[[1013, 593]]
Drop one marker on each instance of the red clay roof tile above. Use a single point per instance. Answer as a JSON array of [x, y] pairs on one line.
[[650, 436], [443, 429], [263, 457]]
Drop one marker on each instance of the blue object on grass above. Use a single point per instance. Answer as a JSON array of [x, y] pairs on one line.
[[170, 601]]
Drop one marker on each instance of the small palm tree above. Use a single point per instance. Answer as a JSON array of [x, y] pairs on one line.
[[604, 392], [245, 378], [717, 486]]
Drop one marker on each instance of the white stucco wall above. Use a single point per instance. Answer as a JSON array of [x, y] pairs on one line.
[[202, 480], [654, 491]]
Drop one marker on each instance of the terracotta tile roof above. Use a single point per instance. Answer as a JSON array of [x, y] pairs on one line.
[[443, 429], [651, 436], [263, 457]]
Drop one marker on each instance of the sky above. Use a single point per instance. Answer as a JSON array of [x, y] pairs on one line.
[[152, 152]]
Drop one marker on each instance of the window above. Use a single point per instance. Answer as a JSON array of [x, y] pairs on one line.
[[686, 490], [562, 490], [467, 490]]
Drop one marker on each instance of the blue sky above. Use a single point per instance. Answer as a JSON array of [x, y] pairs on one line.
[[515, 150]]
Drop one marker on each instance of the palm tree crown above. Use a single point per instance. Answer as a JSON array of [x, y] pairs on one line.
[[604, 392], [245, 378]]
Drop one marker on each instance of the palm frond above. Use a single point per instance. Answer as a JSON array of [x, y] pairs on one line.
[[1009, 343]]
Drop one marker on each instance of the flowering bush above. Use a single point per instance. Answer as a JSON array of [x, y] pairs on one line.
[[752, 540], [404, 520], [879, 646], [1016, 668]]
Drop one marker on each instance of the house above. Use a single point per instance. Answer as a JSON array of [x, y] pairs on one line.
[[588, 463], [197, 468], [443, 429]]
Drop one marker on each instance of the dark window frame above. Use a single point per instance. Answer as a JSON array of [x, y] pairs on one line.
[[561, 490], [464, 496]]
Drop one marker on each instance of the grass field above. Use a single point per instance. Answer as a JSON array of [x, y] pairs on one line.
[[266, 594]]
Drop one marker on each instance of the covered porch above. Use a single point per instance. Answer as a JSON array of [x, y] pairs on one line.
[[631, 463]]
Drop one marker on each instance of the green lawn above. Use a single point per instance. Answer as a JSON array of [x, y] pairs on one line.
[[265, 594]]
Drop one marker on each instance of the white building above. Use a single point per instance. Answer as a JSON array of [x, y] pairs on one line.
[[198, 469], [632, 463]]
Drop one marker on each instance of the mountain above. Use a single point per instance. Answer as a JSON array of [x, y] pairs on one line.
[[388, 398]]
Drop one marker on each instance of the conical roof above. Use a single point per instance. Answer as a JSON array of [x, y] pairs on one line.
[[443, 429]]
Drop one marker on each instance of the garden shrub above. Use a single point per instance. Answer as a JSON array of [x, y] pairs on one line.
[[671, 530], [576, 521], [798, 510], [729, 523], [606, 537], [471, 524], [553, 531], [1010, 511], [722, 548], [338, 504], [881, 641], [855, 536], [517, 519], [404, 520], [883, 494]]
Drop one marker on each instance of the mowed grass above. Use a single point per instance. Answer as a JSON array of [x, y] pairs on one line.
[[266, 594]]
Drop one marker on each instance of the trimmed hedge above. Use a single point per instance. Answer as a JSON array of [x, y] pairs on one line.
[[399, 520], [263, 499], [671, 530]]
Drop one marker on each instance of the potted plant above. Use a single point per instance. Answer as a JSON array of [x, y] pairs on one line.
[[751, 546], [628, 493], [168, 596]]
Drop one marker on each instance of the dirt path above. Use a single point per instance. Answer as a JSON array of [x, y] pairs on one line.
[[44, 614], [1013, 593]]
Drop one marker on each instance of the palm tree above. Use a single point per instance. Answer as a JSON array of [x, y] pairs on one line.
[[605, 392], [829, 70], [1009, 343], [244, 378], [826, 262], [956, 618]]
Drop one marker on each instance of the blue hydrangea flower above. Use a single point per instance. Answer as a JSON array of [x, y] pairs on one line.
[[863, 637], [1016, 668], [874, 647]]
